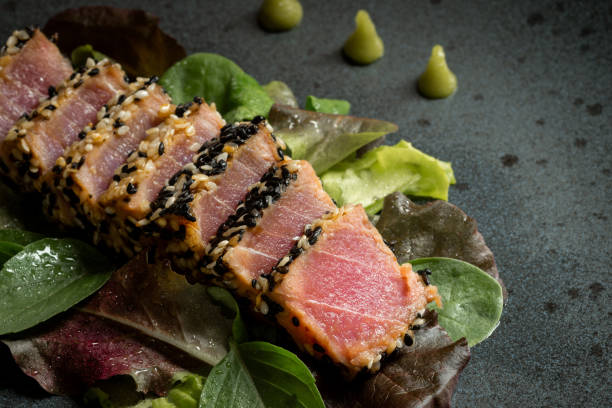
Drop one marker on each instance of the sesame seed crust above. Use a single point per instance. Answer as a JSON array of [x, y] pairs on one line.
[[172, 216], [25, 167], [16, 41], [122, 107]]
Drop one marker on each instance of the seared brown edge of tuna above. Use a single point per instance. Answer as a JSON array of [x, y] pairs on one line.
[[17, 40], [27, 167], [110, 120]]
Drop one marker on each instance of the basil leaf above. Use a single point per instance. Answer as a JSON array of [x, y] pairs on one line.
[[384, 170], [333, 106], [19, 236], [217, 79], [225, 298], [280, 376], [8, 250], [281, 93], [48, 277], [472, 300], [229, 384], [323, 139]]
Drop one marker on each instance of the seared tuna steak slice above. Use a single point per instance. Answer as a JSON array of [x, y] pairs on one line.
[[200, 198], [137, 183], [74, 192], [30, 67], [340, 292], [34, 144], [265, 226]]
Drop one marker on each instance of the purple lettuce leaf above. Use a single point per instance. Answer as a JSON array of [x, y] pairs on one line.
[[147, 322], [131, 37], [435, 229], [423, 375]]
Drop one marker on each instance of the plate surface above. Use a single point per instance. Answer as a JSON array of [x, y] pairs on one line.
[[529, 134]]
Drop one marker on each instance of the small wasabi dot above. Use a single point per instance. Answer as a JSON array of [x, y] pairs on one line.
[[438, 81], [280, 15], [364, 46]]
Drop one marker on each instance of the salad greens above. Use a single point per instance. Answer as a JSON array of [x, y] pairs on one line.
[[333, 106], [217, 79], [46, 278], [383, 170], [472, 299], [324, 139], [281, 93], [176, 327]]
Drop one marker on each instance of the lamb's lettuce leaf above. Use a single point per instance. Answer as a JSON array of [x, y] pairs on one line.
[[323, 139], [473, 300], [217, 79], [48, 277], [333, 106], [384, 170]]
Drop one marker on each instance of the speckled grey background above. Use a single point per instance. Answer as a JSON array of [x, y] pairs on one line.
[[529, 133]]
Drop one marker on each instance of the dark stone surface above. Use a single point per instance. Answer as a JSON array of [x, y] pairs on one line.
[[529, 131]]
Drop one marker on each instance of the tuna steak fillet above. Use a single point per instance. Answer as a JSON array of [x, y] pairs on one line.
[[200, 198], [30, 67], [73, 193], [340, 292], [265, 226], [165, 150], [33, 145]]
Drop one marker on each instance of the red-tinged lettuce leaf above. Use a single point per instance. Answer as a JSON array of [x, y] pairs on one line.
[[435, 229], [423, 375], [146, 322], [324, 139], [131, 37]]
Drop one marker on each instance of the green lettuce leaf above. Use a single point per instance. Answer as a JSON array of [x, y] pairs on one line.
[[324, 139], [333, 106], [384, 170], [46, 278], [281, 93], [79, 55], [472, 299], [217, 79]]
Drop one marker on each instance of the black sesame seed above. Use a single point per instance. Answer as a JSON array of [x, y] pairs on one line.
[[116, 177], [132, 188], [198, 100], [51, 107], [56, 169], [94, 71], [77, 84], [161, 148], [254, 283], [258, 119], [121, 99], [424, 274], [52, 91], [408, 340], [295, 321], [118, 124], [318, 348]]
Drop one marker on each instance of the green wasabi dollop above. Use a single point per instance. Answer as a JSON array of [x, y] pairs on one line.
[[438, 81], [280, 15], [364, 46]]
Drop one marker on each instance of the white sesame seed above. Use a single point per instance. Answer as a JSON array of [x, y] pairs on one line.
[[123, 130], [12, 41], [88, 147], [141, 94]]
